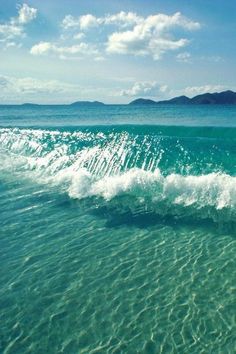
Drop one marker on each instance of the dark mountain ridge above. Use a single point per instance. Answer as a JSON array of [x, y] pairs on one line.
[[87, 103], [141, 101], [225, 97]]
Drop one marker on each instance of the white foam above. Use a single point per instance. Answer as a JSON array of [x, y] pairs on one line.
[[215, 189], [95, 170], [84, 185]]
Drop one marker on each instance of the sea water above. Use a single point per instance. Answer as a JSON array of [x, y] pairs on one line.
[[118, 229]]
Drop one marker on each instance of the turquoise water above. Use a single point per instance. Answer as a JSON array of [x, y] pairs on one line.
[[118, 229]]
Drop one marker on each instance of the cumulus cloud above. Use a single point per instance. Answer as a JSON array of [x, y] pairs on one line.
[[136, 35], [10, 31], [15, 27], [83, 22], [41, 48], [26, 14], [145, 89], [123, 19], [136, 43], [88, 21], [80, 50], [151, 36], [73, 22]]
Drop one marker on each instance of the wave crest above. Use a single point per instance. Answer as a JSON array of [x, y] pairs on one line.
[[165, 174], [205, 195]]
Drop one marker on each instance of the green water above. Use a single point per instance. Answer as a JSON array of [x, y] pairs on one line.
[[117, 239]]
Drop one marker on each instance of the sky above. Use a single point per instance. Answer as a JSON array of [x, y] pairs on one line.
[[115, 51]]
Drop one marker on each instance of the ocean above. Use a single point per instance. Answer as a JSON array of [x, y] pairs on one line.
[[118, 229]]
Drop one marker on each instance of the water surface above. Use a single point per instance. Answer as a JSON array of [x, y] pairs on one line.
[[118, 229]]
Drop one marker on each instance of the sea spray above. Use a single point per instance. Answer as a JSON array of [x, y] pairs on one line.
[[106, 164]]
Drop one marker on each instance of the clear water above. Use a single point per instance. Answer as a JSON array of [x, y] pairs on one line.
[[118, 229]]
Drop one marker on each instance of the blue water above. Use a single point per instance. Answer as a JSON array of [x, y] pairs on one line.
[[63, 116], [118, 229]]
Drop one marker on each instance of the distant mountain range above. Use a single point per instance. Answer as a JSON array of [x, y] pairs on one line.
[[226, 97], [74, 104]]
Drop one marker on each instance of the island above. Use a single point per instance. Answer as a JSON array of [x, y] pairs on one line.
[[225, 97], [87, 103], [217, 98], [74, 104]]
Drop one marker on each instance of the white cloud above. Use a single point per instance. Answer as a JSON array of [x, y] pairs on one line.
[[88, 21], [151, 36], [136, 43], [197, 90], [123, 19], [126, 19], [81, 49], [136, 35], [15, 27], [10, 31], [41, 48], [160, 22], [145, 89], [85, 22], [69, 21], [26, 14]]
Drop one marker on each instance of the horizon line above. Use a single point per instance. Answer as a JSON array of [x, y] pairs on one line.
[[96, 102]]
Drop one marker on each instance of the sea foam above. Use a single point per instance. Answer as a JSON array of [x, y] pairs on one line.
[[94, 164], [217, 190]]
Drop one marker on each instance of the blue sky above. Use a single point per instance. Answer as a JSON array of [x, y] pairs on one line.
[[115, 51]]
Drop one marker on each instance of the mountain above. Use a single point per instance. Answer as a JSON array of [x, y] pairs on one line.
[[142, 101], [74, 104], [30, 105], [87, 103], [225, 97], [177, 100]]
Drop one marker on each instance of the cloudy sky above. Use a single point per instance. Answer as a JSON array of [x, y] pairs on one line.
[[114, 51]]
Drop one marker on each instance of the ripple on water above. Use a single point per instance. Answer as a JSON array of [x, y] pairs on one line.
[[91, 288]]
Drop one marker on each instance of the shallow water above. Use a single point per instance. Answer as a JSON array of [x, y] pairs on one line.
[[118, 238]]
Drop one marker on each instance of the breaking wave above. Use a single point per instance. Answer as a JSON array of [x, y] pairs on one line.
[[169, 174]]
